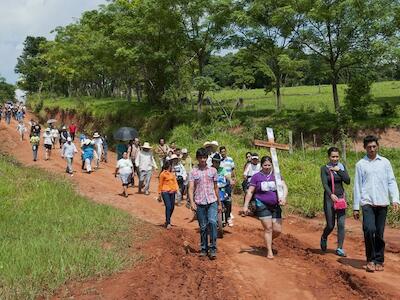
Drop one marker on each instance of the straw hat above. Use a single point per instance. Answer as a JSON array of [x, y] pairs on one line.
[[184, 151], [206, 144], [214, 143], [173, 156], [48, 129], [146, 145], [96, 135]]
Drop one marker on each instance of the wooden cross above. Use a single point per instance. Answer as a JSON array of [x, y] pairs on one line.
[[273, 146]]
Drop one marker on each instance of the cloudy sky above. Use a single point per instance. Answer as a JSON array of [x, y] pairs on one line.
[[20, 18]]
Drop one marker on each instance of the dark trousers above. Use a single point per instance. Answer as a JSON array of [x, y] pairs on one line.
[[228, 209], [35, 150], [374, 219], [330, 215], [169, 201]]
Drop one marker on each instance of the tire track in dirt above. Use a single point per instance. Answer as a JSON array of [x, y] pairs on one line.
[[242, 271]]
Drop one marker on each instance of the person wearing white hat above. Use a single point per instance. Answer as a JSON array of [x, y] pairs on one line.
[[146, 163], [98, 148], [181, 176], [211, 149], [48, 143], [68, 151], [87, 154]]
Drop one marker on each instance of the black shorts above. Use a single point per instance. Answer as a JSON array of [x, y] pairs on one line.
[[47, 146], [264, 211]]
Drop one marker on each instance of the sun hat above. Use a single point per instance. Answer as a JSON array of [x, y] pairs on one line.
[[214, 143], [69, 139], [48, 129], [64, 127], [173, 156], [206, 144], [96, 135], [184, 151], [87, 142], [146, 145], [254, 156]]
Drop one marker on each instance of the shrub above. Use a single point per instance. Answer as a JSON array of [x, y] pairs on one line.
[[358, 96], [389, 109]]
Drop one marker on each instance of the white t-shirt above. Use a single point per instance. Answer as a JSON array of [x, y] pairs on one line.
[[251, 170], [55, 133], [125, 166], [48, 138]]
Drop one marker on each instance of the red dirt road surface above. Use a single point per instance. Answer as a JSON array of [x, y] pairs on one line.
[[172, 269]]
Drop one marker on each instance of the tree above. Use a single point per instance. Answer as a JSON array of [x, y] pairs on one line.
[[31, 66], [206, 26], [7, 91], [265, 29], [345, 33]]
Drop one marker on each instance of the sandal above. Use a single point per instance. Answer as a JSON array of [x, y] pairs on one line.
[[370, 267], [379, 268]]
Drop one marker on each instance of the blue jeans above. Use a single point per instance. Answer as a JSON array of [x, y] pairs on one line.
[[207, 217], [169, 201]]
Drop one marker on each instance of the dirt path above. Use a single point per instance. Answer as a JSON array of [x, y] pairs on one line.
[[299, 270]]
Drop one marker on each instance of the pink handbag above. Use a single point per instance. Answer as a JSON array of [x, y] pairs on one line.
[[341, 202]]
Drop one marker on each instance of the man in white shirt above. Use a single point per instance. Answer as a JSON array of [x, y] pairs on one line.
[[145, 162], [373, 185], [68, 152]]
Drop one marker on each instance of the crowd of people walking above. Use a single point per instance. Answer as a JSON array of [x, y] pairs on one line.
[[206, 184]]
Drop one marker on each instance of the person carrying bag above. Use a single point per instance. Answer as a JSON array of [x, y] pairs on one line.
[[332, 177]]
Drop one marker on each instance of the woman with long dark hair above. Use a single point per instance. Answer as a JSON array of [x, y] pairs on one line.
[[333, 174]]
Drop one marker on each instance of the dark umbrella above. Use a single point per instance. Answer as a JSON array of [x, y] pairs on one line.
[[126, 134]]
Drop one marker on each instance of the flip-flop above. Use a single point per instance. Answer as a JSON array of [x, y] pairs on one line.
[[370, 267], [379, 267]]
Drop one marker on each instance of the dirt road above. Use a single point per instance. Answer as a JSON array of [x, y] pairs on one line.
[[242, 271]]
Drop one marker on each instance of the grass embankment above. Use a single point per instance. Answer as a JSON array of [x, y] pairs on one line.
[[50, 235]]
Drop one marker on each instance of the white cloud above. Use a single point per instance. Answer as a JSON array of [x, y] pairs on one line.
[[20, 18]]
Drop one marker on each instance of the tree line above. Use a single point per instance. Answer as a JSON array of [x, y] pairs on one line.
[[163, 50]]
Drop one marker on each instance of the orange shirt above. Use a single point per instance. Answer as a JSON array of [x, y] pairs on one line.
[[167, 182]]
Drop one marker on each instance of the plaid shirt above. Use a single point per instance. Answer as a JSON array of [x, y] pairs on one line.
[[204, 192]]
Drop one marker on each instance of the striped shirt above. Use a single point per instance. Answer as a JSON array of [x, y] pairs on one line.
[[228, 164]]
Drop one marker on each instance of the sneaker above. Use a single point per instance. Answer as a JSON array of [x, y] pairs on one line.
[[340, 252], [146, 193], [230, 222], [213, 255], [203, 254], [324, 244]]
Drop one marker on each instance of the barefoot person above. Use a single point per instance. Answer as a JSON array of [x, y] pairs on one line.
[[374, 183], [333, 175], [204, 199], [125, 170], [167, 189], [268, 206]]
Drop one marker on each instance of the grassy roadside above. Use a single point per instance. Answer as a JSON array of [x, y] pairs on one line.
[[51, 235]]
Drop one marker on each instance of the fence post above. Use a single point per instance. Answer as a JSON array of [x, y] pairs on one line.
[[302, 144], [290, 142]]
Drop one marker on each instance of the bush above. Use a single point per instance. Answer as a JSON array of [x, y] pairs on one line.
[[358, 96], [389, 109]]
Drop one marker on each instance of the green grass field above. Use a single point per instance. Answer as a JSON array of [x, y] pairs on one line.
[[50, 235]]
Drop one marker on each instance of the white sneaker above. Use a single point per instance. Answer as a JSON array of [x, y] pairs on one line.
[[230, 222]]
